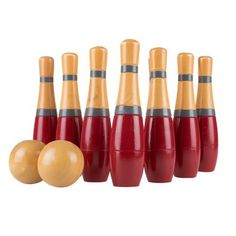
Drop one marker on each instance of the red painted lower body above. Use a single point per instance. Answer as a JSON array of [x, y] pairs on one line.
[[209, 143], [45, 128], [94, 144], [127, 150], [159, 149], [69, 128], [188, 149]]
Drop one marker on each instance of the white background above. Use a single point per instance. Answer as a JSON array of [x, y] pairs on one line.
[[205, 205]]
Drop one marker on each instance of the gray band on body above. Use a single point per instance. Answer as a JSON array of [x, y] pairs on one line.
[[185, 113], [46, 112], [97, 112], [125, 110], [69, 77], [158, 112], [185, 77], [204, 79], [129, 68], [206, 112], [157, 74], [70, 112], [98, 73], [44, 79]]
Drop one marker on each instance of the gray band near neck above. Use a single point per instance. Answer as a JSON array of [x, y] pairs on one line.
[[97, 112], [46, 112], [129, 69], [69, 112], [98, 74], [157, 74], [185, 77], [128, 110], [204, 79], [206, 112], [69, 77], [45, 79], [158, 112], [185, 113]]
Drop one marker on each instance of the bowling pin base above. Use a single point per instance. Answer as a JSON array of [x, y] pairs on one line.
[[45, 128], [127, 168], [187, 147], [69, 128], [159, 166], [95, 147], [209, 143], [127, 150], [160, 149], [93, 172]]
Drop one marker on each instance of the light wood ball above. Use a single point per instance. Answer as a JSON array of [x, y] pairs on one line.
[[61, 163], [23, 161]]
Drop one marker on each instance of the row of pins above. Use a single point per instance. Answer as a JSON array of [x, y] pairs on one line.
[[181, 146]]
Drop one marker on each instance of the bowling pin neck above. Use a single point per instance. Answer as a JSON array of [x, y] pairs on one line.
[[70, 95], [158, 95], [185, 102], [97, 102], [128, 90], [46, 99], [158, 101], [205, 102], [128, 101]]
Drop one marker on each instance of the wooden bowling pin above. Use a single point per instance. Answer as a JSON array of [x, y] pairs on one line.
[[96, 129], [159, 130], [69, 124], [206, 116], [186, 122], [127, 139], [46, 115]]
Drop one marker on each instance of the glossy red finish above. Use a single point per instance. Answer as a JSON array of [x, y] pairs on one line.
[[209, 143], [69, 128], [45, 128], [127, 150], [159, 149], [188, 149], [94, 144]]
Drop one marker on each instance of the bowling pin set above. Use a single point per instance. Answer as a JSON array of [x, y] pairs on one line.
[[163, 146]]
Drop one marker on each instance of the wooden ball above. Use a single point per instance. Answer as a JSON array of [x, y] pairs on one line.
[[60, 163], [23, 161]]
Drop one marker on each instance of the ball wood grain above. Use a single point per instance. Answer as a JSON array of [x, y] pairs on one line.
[[23, 161], [60, 163]]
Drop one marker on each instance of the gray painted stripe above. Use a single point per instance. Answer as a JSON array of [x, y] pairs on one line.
[[46, 79], [98, 73], [158, 74], [185, 77], [204, 79], [97, 112], [123, 110], [129, 68], [206, 112], [185, 113], [46, 112], [69, 77], [70, 112], [158, 112]]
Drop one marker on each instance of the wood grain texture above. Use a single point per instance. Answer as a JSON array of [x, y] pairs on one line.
[[98, 58], [129, 52], [185, 63]]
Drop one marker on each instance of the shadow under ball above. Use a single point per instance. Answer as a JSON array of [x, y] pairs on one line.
[[61, 163], [23, 161]]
